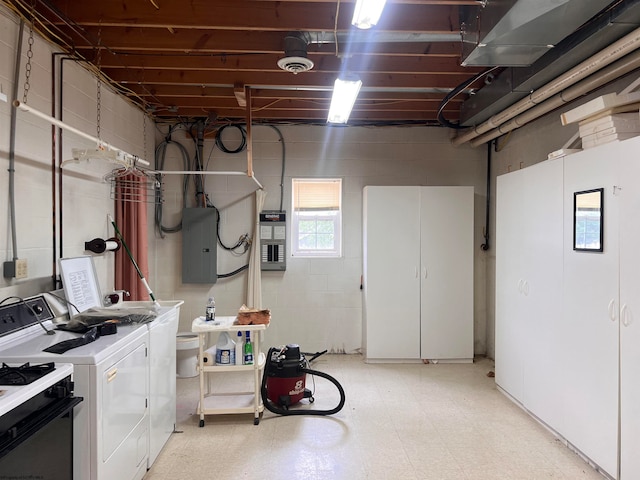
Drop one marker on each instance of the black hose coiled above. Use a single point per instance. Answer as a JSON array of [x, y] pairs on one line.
[[283, 411], [243, 139]]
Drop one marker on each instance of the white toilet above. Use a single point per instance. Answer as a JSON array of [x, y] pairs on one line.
[[186, 354]]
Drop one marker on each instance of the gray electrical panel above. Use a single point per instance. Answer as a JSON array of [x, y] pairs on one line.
[[273, 240], [199, 245]]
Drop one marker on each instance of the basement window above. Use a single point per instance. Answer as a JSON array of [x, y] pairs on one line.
[[316, 225]]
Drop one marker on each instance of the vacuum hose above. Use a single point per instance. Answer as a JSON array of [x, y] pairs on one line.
[[301, 370]]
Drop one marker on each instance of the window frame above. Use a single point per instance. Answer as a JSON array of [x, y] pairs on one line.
[[298, 216]]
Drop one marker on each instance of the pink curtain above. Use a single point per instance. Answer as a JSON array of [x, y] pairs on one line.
[[131, 219]]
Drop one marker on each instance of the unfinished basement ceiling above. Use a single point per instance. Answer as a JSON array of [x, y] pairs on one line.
[[187, 59]]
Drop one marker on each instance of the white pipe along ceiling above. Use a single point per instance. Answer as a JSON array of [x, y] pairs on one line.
[[606, 75], [595, 63]]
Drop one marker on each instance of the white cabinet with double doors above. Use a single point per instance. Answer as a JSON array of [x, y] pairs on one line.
[[589, 326], [418, 273], [629, 219], [529, 285], [582, 354]]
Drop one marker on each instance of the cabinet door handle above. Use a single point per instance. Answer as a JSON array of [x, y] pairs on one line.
[[111, 375], [520, 285], [625, 315], [424, 272], [415, 271], [612, 310], [525, 288]]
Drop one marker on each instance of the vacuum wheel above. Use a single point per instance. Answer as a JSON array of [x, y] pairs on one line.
[[201, 423]]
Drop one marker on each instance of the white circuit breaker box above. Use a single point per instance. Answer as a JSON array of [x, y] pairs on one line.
[[273, 240]]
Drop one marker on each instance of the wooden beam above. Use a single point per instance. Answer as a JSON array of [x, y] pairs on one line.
[[239, 115], [228, 44], [304, 80], [268, 62], [252, 15], [249, 118], [241, 94]]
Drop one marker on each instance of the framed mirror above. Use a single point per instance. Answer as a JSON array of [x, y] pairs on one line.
[[588, 220]]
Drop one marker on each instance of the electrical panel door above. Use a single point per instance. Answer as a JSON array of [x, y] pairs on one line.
[[273, 240], [199, 245]]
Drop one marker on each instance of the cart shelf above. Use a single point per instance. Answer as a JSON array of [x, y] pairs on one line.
[[212, 403]]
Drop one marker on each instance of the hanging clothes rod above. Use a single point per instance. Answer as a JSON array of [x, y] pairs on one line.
[[206, 172], [54, 121]]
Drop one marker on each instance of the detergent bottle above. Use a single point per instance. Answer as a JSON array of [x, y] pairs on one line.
[[225, 350]]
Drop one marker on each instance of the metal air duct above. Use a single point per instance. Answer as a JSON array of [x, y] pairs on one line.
[[518, 32], [295, 50]]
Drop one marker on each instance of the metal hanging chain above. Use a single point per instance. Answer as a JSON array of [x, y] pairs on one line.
[[144, 134], [27, 67], [99, 84]]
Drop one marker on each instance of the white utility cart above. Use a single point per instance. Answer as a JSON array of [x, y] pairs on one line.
[[212, 403]]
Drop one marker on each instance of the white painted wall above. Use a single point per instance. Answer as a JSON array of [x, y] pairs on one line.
[[316, 303], [86, 198]]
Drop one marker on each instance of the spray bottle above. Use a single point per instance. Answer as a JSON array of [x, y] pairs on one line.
[[248, 350], [239, 349]]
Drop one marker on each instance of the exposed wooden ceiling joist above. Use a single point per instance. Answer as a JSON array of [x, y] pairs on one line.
[[181, 59]]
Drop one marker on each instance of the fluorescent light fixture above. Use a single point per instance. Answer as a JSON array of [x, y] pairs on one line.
[[344, 96], [367, 13]]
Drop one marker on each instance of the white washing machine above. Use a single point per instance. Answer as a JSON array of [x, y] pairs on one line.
[[116, 374]]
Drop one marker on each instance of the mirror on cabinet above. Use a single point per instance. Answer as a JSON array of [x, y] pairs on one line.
[[588, 220]]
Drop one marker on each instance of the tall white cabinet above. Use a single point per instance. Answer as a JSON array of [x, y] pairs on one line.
[[589, 323], [630, 312], [529, 285], [577, 342], [418, 273]]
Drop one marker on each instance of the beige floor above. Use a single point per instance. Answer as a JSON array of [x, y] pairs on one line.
[[404, 422]]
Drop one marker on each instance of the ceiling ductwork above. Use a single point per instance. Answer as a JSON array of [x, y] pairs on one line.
[[518, 32], [295, 59], [515, 83], [374, 36]]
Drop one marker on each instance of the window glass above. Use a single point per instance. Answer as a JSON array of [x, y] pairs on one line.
[[317, 218]]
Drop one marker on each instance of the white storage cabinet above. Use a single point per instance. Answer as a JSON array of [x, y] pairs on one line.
[[529, 229], [418, 273], [582, 354]]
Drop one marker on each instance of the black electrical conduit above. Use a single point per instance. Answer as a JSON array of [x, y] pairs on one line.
[[243, 145], [455, 92], [284, 411], [243, 139], [485, 245], [54, 191], [161, 151], [56, 146], [56, 167], [12, 145], [283, 162], [235, 272]]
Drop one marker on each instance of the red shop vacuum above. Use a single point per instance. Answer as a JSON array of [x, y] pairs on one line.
[[283, 382]]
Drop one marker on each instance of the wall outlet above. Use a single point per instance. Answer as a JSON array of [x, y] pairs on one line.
[[9, 269], [21, 268]]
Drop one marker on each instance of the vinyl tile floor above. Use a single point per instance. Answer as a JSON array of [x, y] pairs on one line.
[[410, 421]]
